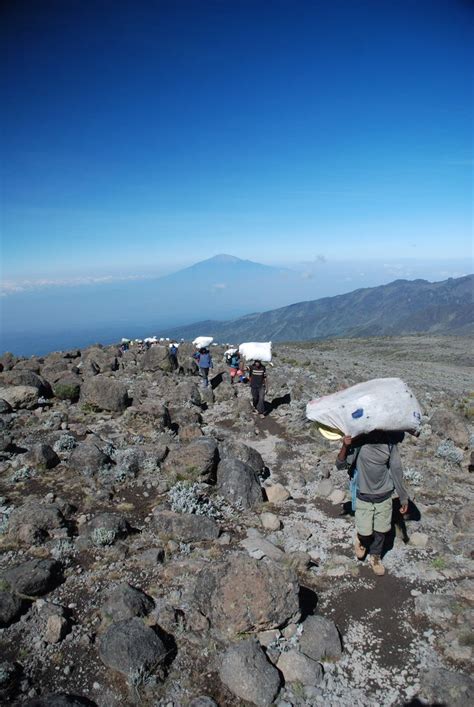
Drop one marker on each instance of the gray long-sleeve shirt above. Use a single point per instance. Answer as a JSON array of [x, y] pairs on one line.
[[380, 471]]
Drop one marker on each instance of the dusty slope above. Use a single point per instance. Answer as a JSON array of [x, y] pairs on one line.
[[399, 632]]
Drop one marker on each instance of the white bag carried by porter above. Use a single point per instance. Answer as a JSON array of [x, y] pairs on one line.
[[378, 404], [257, 351]]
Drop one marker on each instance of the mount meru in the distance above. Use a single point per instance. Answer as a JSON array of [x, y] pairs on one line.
[[398, 308]]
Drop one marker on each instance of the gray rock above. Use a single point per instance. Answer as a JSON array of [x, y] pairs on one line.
[[437, 607], [99, 360], [6, 441], [463, 519], [125, 602], [67, 387], [106, 528], [33, 577], [33, 521], [28, 379], [59, 700], [20, 396], [7, 361], [151, 557], [185, 526], [448, 425], [320, 639], [258, 546], [157, 359], [203, 701], [237, 450], [248, 674], [129, 646], [194, 461], [10, 607], [243, 594], [325, 488], [56, 628], [239, 483], [42, 456], [105, 394], [5, 407], [446, 687], [87, 458], [297, 667]]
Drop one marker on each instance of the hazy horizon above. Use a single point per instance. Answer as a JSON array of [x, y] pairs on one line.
[[330, 139]]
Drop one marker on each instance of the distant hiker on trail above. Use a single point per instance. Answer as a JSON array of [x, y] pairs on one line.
[[173, 355], [204, 361], [234, 364], [258, 386], [375, 468]]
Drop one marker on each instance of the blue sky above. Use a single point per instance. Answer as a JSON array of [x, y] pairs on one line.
[[139, 137]]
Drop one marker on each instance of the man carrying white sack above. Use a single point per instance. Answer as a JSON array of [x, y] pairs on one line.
[[376, 471]]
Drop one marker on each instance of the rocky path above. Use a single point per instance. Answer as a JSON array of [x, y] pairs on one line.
[[161, 545]]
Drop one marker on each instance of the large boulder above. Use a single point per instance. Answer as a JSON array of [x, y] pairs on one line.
[[440, 686], [29, 379], [42, 456], [125, 602], [463, 519], [185, 527], [194, 461], [239, 483], [67, 387], [320, 639], [33, 522], [33, 577], [10, 607], [243, 594], [446, 424], [157, 359], [7, 361], [297, 667], [98, 360], [238, 450], [105, 393], [87, 458], [131, 648], [248, 674], [20, 396], [105, 528]]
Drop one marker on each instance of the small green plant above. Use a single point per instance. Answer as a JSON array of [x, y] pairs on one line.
[[467, 639], [439, 563], [103, 536]]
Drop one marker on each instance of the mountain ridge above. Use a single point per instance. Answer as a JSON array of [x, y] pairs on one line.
[[398, 308]]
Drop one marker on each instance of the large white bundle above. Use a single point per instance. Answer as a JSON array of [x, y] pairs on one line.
[[379, 404], [257, 351], [202, 341], [230, 351]]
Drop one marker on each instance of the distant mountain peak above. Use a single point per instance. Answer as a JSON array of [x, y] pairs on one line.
[[224, 258]]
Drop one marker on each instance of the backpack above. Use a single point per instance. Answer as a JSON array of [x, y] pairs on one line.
[[173, 350]]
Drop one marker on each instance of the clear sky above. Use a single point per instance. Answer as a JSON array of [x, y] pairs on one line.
[[139, 137]]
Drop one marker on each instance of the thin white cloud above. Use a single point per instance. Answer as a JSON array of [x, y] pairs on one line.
[[11, 287], [219, 286]]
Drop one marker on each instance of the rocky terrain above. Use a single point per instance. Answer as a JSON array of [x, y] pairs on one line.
[[161, 545]]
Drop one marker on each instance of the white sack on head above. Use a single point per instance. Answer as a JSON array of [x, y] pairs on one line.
[[230, 351], [202, 341], [378, 404], [257, 351]]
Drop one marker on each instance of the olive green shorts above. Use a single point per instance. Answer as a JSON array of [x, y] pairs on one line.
[[373, 516]]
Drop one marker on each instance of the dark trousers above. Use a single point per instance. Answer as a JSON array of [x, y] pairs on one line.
[[373, 543], [258, 399]]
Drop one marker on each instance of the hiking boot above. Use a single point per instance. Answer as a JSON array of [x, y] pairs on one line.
[[262, 415], [360, 550], [376, 564]]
